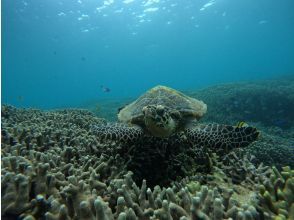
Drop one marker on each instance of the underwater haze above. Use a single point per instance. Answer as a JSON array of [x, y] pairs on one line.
[[61, 53]]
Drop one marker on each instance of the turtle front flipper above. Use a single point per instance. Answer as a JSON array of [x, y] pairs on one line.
[[221, 137], [118, 132]]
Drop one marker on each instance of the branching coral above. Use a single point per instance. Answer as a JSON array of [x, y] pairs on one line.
[[277, 194], [53, 167]]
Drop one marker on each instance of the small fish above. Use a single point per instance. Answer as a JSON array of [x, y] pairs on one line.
[[105, 89], [241, 124]]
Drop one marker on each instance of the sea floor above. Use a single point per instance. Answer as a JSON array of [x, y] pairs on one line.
[[53, 166]]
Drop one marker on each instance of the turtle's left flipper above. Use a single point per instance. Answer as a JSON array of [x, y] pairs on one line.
[[222, 137]]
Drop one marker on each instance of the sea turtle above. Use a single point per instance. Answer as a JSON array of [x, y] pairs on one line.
[[165, 113]]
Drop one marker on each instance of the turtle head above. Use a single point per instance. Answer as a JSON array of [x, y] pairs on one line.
[[160, 120]]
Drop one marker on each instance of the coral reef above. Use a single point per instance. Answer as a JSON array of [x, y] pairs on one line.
[[53, 167], [274, 149], [277, 194], [269, 102], [242, 170]]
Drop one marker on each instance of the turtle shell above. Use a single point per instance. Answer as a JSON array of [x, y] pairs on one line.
[[188, 107]]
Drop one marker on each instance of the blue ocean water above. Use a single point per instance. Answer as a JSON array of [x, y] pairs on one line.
[[58, 53]]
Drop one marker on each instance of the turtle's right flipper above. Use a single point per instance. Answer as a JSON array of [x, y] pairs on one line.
[[118, 132]]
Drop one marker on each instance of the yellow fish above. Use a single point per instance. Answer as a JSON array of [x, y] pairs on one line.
[[242, 124]]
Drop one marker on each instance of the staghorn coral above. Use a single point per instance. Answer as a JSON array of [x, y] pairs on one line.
[[277, 193], [42, 153], [52, 169], [243, 171]]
